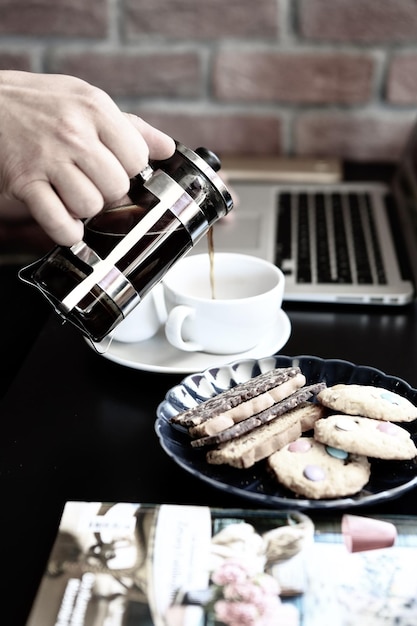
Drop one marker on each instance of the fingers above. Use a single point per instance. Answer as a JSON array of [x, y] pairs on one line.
[[133, 142], [97, 177], [161, 146], [52, 214], [101, 167], [81, 196], [126, 144]]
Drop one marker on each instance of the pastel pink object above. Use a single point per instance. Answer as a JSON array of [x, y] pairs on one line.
[[300, 445], [366, 533]]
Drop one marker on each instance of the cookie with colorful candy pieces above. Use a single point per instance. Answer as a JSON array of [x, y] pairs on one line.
[[368, 401], [316, 471], [379, 439]]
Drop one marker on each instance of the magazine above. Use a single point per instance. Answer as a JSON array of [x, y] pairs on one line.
[[127, 564]]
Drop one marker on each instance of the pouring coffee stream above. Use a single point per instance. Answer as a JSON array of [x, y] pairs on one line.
[[210, 240], [127, 250]]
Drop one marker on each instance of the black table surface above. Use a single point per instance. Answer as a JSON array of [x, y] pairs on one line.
[[76, 426]]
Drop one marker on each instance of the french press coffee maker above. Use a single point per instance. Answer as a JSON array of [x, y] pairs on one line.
[[127, 250]]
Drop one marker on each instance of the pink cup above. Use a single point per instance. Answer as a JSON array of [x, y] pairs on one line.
[[366, 533]]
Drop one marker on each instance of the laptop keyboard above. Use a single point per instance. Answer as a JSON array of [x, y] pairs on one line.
[[328, 238]]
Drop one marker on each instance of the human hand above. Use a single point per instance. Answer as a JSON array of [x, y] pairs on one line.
[[67, 149]]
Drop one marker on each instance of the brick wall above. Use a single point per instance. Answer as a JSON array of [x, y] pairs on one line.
[[292, 77]]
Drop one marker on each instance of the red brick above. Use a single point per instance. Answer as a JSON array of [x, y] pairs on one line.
[[402, 79], [225, 134], [362, 138], [196, 19], [297, 78], [173, 75], [15, 61], [65, 18], [359, 20]]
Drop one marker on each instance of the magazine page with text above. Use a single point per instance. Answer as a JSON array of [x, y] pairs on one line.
[[127, 564]]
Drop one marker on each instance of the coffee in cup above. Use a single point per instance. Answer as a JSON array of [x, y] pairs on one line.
[[225, 303]]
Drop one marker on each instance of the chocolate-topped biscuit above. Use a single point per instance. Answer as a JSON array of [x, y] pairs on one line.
[[247, 408], [250, 423], [249, 448], [240, 393]]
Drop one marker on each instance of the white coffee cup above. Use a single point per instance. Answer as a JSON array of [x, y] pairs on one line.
[[144, 321], [248, 293]]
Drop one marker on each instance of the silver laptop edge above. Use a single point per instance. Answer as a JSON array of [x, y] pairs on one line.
[[251, 228]]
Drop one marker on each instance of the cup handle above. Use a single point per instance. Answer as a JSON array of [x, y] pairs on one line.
[[173, 328]]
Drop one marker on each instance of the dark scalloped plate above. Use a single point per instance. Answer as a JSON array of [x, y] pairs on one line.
[[389, 479]]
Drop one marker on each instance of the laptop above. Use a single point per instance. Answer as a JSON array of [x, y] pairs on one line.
[[336, 241]]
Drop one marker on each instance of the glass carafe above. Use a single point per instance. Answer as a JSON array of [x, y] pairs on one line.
[[128, 249]]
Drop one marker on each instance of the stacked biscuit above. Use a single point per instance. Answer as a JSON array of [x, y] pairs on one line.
[[316, 440], [250, 421]]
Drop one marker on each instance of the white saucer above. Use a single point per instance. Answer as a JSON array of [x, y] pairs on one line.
[[157, 355]]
